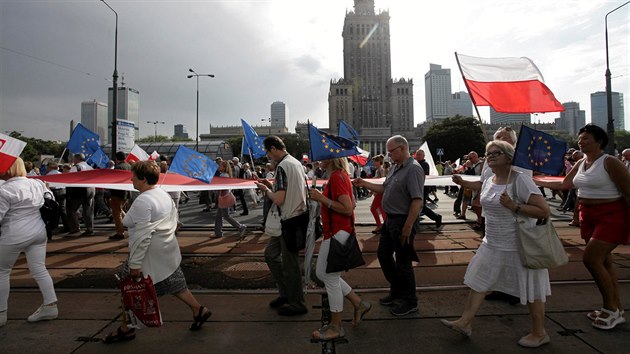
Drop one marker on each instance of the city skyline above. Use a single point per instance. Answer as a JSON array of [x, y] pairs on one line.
[[56, 55]]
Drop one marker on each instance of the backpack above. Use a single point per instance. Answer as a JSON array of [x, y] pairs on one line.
[[50, 213]]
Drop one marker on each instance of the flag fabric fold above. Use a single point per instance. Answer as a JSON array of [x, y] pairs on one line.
[[539, 151], [83, 141], [326, 146], [509, 85], [137, 154], [98, 158], [190, 163], [252, 144], [10, 150], [348, 132]]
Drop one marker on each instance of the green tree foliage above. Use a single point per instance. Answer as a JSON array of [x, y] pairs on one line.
[[152, 138], [457, 136], [622, 139], [296, 146], [35, 147], [570, 139]]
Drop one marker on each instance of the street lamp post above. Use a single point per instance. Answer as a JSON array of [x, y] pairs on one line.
[[194, 74], [155, 123], [114, 86], [610, 126]]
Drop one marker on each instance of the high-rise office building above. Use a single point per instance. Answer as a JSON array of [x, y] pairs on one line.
[[510, 118], [180, 132], [94, 117], [367, 97], [460, 104], [437, 92], [572, 119], [279, 115], [127, 107], [599, 110]]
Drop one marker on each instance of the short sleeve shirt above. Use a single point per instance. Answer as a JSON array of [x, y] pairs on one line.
[[338, 184], [402, 185]]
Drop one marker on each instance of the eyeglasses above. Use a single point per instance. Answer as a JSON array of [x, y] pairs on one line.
[[389, 152], [493, 153]]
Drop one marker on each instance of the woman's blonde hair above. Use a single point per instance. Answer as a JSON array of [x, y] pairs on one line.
[[228, 167], [339, 164], [17, 169], [506, 148]]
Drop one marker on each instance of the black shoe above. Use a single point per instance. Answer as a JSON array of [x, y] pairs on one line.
[[387, 301], [87, 233], [277, 302], [290, 310], [244, 213], [116, 237], [438, 222], [404, 309]]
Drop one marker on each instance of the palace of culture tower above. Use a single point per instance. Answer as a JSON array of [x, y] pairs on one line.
[[367, 97]]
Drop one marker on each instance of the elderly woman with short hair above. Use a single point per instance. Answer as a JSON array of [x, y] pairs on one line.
[[153, 248], [497, 264]]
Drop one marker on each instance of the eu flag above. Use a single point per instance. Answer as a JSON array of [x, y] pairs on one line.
[[252, 144], [190, 163], [348, 132], [327, 146], [99, 158], [539, 151], [83, 141]]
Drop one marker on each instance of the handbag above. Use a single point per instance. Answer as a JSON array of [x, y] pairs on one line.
[[140, 298], [273, 226], [294, 231], [343, 257], [50, 213], [226, 199], [539, 246]]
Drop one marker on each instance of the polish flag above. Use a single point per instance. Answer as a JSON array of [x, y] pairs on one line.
[[137, 154], [154, 156], [362, 158], [509, 85], [10, 149]]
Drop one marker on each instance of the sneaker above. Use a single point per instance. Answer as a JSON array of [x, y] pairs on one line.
[[404, 309], [87, 233], [44, 312], [387, 301], [3, 318], [277, 302], [290, 310], [241, 231]]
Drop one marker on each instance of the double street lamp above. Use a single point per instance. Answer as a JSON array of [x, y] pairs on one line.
[[115, 86], [155, 123], [610, 126], [194, 74]]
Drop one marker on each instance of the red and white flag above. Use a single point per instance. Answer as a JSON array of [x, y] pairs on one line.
[[10, 149], [137, 154], [154, 156], [509, 85]]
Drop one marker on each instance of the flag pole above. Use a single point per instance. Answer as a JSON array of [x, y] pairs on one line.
[[483, 127]]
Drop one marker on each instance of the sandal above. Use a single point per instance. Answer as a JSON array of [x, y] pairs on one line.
[[120, 336], [200, 319], [613, 319], [593, 315], [360, 311], [328, 332]]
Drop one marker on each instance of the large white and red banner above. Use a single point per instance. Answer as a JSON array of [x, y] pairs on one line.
[[10, 149], [509, 85]]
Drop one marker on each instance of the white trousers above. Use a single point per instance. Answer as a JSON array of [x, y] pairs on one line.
[[336, 287], [35, 250]]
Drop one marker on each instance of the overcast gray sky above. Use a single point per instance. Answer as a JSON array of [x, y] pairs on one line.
[[56, 54]]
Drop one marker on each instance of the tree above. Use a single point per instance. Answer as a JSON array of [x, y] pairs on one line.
[[622, 139], [35, 147], [152, 138], [457, 136]]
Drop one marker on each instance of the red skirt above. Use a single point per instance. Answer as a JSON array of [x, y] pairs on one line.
[[608, 222]]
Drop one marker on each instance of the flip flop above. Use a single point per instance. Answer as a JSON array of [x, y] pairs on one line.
[[200, 319]]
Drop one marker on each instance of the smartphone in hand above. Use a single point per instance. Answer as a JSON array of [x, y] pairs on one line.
[[314, 183]]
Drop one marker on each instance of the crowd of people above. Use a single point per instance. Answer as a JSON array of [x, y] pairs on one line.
[[596, 187]]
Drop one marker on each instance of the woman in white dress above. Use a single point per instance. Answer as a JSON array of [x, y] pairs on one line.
[[497, 264]]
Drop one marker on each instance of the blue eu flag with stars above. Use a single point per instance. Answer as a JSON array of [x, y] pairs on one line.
[[190, 163], [84, 141], [348, 132], [99, 158], [538, 151], [252, 143], [326, 146]]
